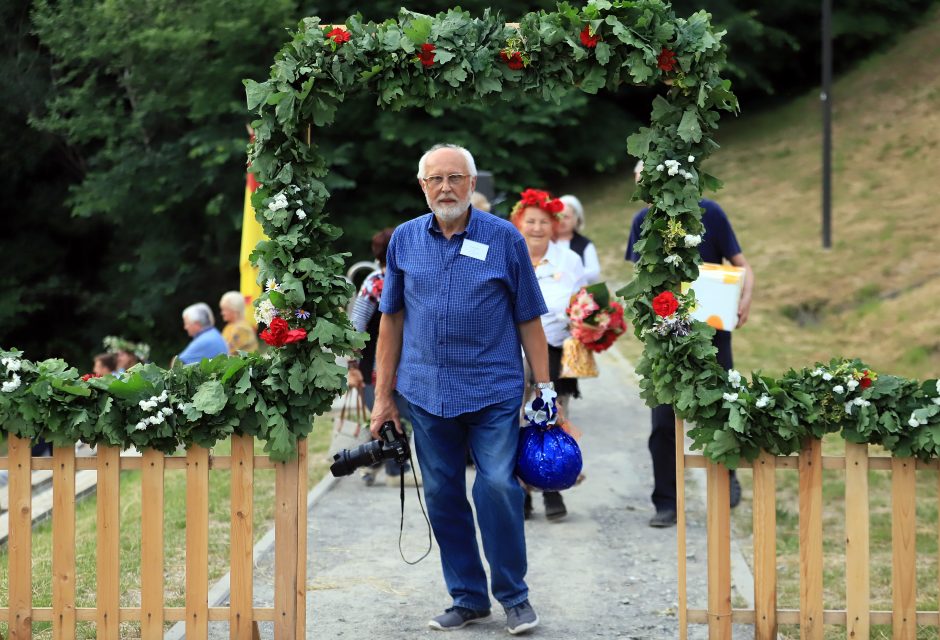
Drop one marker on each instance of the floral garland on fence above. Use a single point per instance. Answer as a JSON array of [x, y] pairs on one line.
[[420, 60]]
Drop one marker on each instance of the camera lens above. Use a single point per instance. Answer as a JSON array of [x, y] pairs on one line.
[[348, 460]]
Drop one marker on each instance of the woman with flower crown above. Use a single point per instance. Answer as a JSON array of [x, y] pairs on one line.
[[560, 275]]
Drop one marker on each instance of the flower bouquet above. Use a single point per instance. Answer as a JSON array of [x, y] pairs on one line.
[[596, 322]]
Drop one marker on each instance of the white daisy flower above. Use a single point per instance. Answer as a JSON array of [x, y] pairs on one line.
[[272, 285], [730, 397]]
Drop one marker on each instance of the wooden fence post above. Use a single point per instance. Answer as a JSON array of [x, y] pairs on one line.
[[682, 568], [242, 598], [197, 543], [765, 546], [904, 549], [63, 543], [301, 631], [151, 546], [857, 583], [811, 557], [285, 549], [719, 551], [19, 544]]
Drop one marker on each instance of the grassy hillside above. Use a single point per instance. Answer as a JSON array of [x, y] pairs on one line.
[[876, 294]]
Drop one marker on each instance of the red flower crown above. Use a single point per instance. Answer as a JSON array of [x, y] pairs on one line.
[[538, 198]]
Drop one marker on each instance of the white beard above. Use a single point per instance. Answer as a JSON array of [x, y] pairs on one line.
[[451, 213]]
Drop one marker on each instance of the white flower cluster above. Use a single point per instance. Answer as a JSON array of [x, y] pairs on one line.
[[673, 259], [763, 401], [279, 202], [152, 406], [730, 397], [734, 379], [12, 366], [692, 240], [265, 312], [301, 214], [857, 402], [673, 167]]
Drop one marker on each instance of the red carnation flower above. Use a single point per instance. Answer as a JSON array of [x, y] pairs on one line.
[[666, 60], [589, 39], [665, 304], [513, 60], [865, 382], [278, 333], [426, 55], [338, 35], [89, 376]]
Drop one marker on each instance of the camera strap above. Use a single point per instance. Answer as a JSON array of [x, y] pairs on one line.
[[401, 528]]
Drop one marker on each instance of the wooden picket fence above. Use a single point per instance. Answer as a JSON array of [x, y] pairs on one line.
[[290, 523], [857, 617]]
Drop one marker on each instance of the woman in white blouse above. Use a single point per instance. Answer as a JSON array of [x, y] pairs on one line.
[[560, 274], [570, 223]]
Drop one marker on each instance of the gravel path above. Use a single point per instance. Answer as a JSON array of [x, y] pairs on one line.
[[600, 573]]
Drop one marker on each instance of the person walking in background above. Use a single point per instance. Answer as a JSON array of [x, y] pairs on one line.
[[560, 274], [104, 364], [206, 342], [459, 298], [365, 317], [238, 333], [718, 243], [570, 223]]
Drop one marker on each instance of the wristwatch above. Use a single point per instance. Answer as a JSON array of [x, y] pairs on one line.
[[545, 385]]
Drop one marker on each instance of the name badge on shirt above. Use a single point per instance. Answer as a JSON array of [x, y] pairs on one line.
[[473, 249]]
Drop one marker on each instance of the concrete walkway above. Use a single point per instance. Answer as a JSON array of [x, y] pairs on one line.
[[600, 573]]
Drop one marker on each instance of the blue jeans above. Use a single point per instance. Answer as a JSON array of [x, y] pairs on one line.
[[441, 444]]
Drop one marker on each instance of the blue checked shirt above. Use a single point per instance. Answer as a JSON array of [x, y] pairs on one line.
[[460, 348]]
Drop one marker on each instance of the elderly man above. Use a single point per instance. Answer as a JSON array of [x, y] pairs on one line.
[[460, 296], [206, 342]]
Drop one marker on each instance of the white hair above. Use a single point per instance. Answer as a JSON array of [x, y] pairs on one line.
[[233, 301], [471, 165], [575, 205], [200, 313]]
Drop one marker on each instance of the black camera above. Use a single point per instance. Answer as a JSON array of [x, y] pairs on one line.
[[392, 446]]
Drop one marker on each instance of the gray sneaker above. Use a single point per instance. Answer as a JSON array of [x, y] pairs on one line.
[[521, 618], [458, 618]]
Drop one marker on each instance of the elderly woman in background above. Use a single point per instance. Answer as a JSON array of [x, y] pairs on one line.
[[238, 333], [570, 222], [560, 274]]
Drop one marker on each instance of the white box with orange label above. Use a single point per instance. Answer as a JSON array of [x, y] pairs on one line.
[[717, 294]]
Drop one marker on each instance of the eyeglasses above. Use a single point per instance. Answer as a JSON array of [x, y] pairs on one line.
[[453, 180]]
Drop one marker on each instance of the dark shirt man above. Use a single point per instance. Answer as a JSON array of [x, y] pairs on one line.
[[460, 296], [718, 243]]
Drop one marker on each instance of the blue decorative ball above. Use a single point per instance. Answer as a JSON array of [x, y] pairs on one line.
[[548, 459]]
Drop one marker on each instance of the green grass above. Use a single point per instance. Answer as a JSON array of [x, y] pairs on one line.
[[174, 535], [875, 295]]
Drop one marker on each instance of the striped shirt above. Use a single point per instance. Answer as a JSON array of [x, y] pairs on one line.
[[463, 300]]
